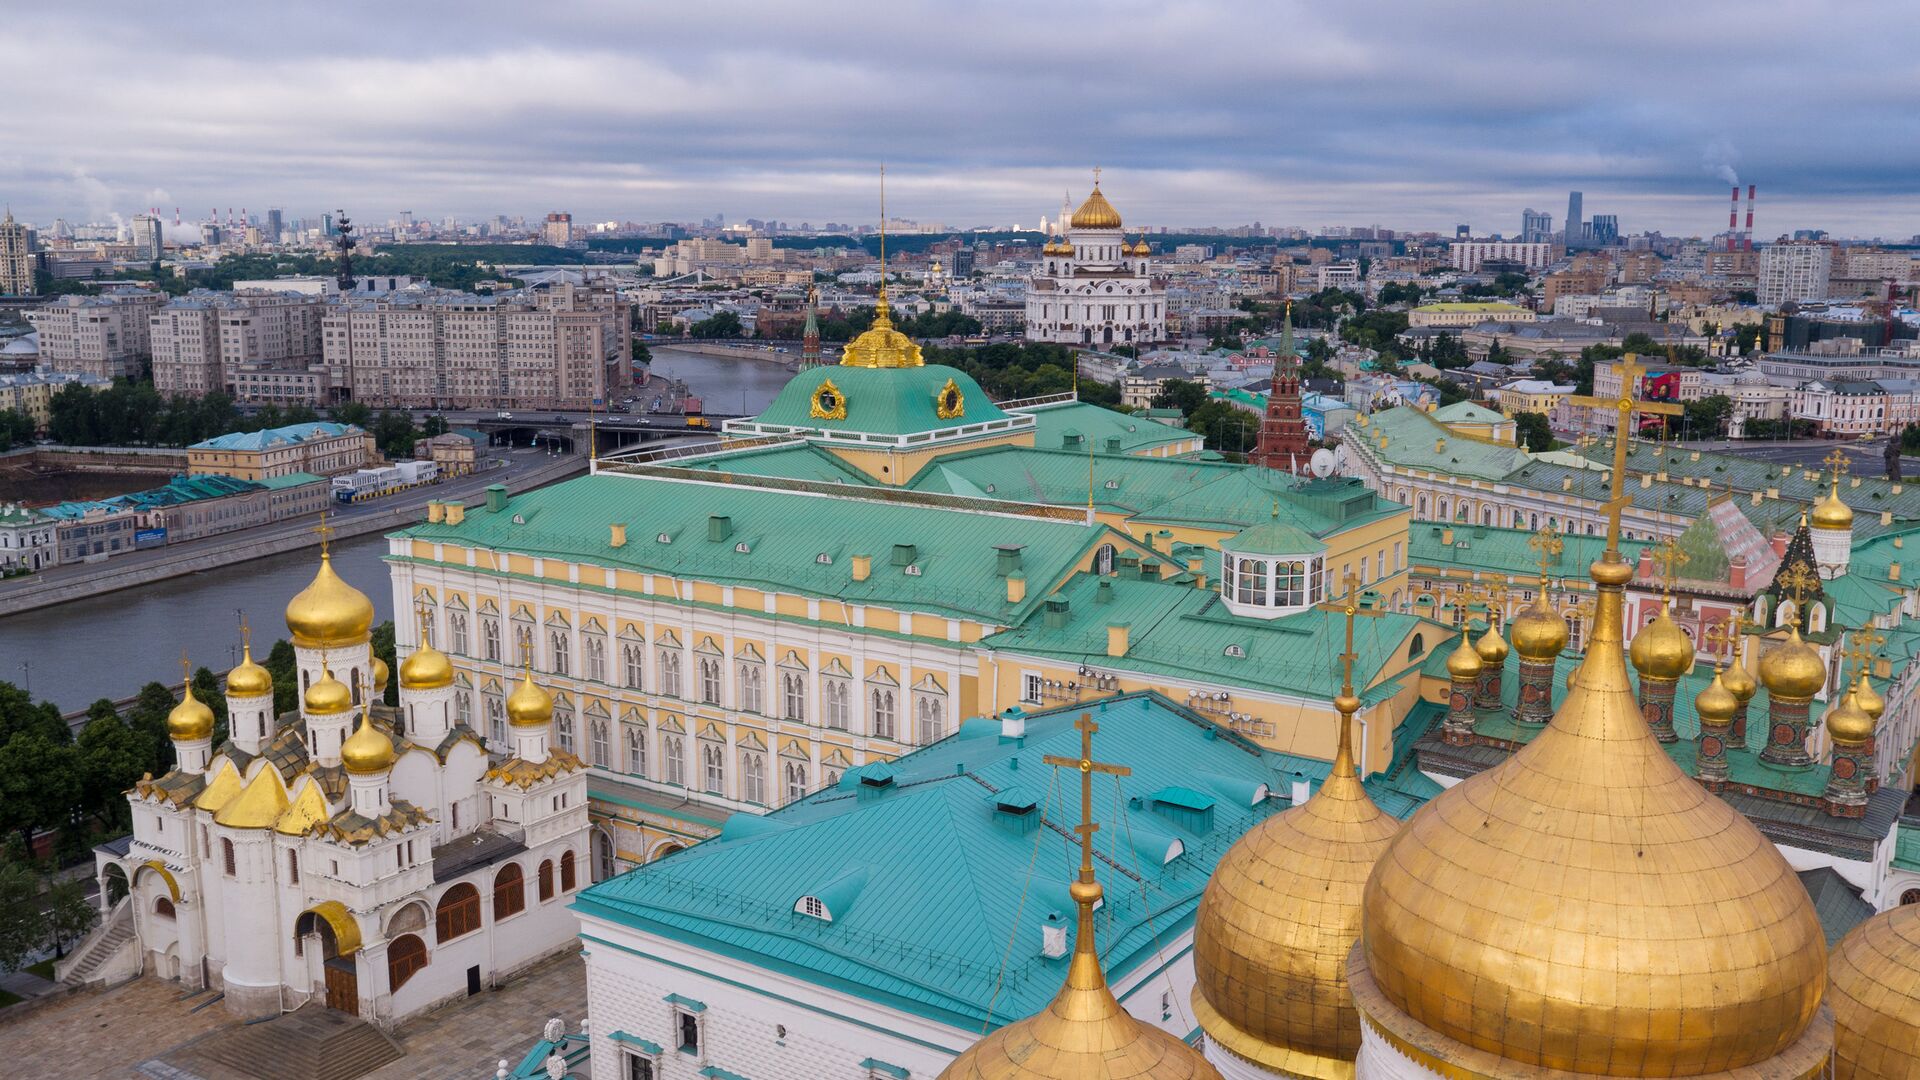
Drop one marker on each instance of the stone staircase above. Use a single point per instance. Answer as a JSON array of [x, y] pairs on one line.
[[311, 1043], [94, 959]]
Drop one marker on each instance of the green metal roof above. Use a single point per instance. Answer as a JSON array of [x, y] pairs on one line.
[[785, 540], [297, 479], [1466, 412], [1098, 425], [962, 879], [882, 401], [798, 461], [1246, 497], [1061, 477], [1486, 548], [1273, 538]]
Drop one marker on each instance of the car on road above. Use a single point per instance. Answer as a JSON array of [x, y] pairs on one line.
[[698, 422], [503, 415]]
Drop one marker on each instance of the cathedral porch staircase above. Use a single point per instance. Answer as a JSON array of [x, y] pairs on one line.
[[102, 956], [310, 1043]]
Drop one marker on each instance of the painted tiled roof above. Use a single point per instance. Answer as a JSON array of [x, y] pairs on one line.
[[946, 881], [269, 438]]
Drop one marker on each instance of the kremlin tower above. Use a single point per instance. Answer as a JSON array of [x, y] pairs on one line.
[[1283, 434]]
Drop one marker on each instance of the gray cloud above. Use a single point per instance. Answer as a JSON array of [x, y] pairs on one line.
[[1402, 114]]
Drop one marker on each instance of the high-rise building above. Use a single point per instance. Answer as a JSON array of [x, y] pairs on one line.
[[16, 258], [1576, 224], [105, 336], [1604, 230], [1794, 271], [273, 226], [148, 236], [558, 230], [1535, 226], [202, 340]]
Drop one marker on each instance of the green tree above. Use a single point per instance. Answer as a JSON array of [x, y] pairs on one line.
[[723, 324], [23, 926], [69, 914], [112, 757], [16, 429], [1747, 337], [384, 648], [1534, 432], [394, 434], [1183, 394], [356, 413], [641, 354], [1226, 428], [148, 716], [20, 716], [282, 664], [1705, 418], [206, 687], [433, 425], [39, 784]]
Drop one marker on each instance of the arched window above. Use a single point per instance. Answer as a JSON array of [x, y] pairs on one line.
[[930, 720], [463, 707], [635, 663], [563, 726], [709, 680], [753, 771], [226, 855], [839, 696], [883, 713], [595, 648], [1417, 647], [457, 913], [675, 750], [1103, 559], [670, 673], [490, 638], [560, 647], [457, 632], [603, 868], [637, 750], [1911, 896], [567, 875], [546, 880], [496, 720], [163, 907], [509, 892], [793, 695], [714, 761], [796, 781], [752, 688], [598, 743], [406, 954]]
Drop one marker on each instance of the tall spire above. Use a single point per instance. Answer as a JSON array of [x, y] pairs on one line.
[[1283, 432], [880, 318]]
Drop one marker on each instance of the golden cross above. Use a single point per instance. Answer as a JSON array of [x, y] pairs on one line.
[[246, 634], [1087, 767], [1350, 606], [1669, 558], [186, 670], [1548, 544], [1797, 583], [1626, 405], [1861, 645], [1837, 463], [1725, 634], [325, 530], [1096, 176]]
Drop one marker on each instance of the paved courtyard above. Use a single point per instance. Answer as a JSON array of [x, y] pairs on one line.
[[110, 1035]]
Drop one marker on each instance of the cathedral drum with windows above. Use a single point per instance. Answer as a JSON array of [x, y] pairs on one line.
[[1093, 286], [377, 858]]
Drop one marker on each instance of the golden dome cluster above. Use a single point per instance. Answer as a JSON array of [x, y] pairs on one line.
[[1138, 249], [1793, 669], [427, 669], [1716, 704], [1661, 650], [1869, 699], [528, 705], [1096, 212], [1848, 723], [1464, 661], [1057, 245], [1831, 513], [329, 613], [328, 696], [1539, 633], [191, 720], [367, 750], [1588, 906], [1491, 647], [249, 679], [1875, 995], [381, 673]]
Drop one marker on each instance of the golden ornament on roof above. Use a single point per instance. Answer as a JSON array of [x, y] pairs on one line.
[[1716, 704], [1661, 650], [950, 403], [329, 613], [190, 720], [380, 676], [1869, 699], [1096, 212], [1587, 906], [827, 402], [1848, 723], [1539, 633], [880, 345], [328, 696], [249, 679], [528, 705], [1831, 513], [1793, 669], [1738, 681], [1875, 995], [1464, 662], [427, 669], [366, 751], [1491, 646]]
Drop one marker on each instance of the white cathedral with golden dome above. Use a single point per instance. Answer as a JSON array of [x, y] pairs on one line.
[[377, 858], [1093, 286]]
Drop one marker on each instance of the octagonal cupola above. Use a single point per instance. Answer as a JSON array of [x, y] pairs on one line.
[[1272, 569]]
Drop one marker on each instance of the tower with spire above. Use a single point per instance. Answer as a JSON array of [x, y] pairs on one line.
[[810, 335], [1283, 433]]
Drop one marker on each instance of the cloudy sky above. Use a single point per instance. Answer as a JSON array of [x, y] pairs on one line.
[[1409, 115]]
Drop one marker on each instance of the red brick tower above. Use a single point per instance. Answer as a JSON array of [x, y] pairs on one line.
[[1283, 434]]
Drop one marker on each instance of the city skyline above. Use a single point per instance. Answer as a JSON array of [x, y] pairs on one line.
[[1414, 122]]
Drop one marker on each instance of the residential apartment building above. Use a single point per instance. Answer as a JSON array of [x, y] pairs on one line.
[[557, 230], [323, 449], [202, 340], [558, 348], [1468, 255], [1796, 271], [105, 336], [16, 258], [32, 393]]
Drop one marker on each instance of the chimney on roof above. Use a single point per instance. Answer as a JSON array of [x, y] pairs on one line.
[[1117, 634], [1053, 936], [1016, 587], [862, 567], [1737, 572], [617, 535]]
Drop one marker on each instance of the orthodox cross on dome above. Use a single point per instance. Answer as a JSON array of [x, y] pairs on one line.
[[1725, 635], [1626, 405], [1350, 606], [1087, 767], [1548, 545], [1494, 595], [325, 530], [246, 634], [1096, 176], [1837, 463], [1862, 643], [1668, 556], [1798, 584], [186, 672]]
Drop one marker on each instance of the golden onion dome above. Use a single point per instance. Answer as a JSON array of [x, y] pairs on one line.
[[1870, 700], [249, 679], [1464, 662], [1278, 919], [880, 345], [1875, 994], [1096, 212], [1831, 513], [366, 751], [1491, 646], [1793, 669], [381, 674], [190, 720], [1539, 633], [329, 613], [328, 696], [1848, 723], [528, 705], [427, 669], [1661, 650], [1716, 704], [1547, 912], [1739, 682]]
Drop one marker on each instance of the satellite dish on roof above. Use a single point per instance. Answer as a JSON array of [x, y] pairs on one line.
[[1321, 463]]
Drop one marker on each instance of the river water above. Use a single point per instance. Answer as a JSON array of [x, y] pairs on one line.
[[109, 646]]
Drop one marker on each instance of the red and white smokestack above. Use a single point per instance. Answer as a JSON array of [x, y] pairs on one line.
[[1750, 188], [1733, 221], [176, 216]]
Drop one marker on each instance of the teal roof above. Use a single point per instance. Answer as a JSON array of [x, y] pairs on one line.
[[1180, 631], [1466, 412], [269, 438], [1246, 497], [1060, 477], [798, 461], [1097, 426], [290, 480], [959, 878], [1274, 538], [880, 401], [1484, 548], [777, 539]]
